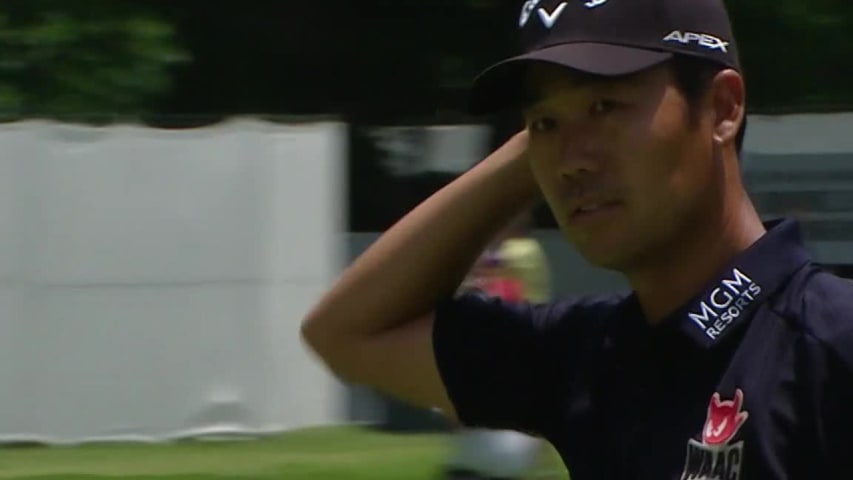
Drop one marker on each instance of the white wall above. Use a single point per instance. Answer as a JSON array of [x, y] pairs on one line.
[[807, 160], [152, 281], [811, 133]]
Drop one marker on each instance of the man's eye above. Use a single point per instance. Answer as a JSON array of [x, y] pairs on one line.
[[603, 107], [543, 124]]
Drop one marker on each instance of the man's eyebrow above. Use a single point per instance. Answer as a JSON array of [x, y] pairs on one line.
[[529, 98], [533, 93]]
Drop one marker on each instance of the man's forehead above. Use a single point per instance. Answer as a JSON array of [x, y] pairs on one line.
[[542, 79], [543, 74]]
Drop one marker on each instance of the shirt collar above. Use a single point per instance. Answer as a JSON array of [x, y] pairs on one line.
[[752, 277]]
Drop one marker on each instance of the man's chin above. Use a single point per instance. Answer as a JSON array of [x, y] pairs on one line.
[[605, 253], [607, 261]]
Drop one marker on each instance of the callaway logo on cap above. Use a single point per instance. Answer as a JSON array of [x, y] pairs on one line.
[[608, 37]]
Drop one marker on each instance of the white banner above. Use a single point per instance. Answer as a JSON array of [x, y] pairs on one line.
[[152, 281]]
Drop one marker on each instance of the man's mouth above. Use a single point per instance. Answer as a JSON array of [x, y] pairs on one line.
[[594, 209]]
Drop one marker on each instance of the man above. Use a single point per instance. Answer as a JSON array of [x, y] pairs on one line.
[[732, 355]]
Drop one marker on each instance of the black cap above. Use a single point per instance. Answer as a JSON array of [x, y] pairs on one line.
[[607, 37]]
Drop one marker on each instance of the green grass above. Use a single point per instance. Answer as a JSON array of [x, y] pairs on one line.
[[315, 454]]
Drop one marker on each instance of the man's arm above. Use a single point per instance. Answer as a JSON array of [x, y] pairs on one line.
[[374, 326]]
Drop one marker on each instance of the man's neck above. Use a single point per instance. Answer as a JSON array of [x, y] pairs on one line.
[[686, 266]]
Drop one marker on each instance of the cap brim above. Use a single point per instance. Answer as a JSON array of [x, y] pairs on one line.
[[502, 85]]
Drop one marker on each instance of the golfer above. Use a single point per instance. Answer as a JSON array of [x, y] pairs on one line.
[[731, 355]]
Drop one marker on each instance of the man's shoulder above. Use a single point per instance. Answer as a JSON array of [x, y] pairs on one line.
[[820, 303], [563, 310], [589, 315], [589, 304]]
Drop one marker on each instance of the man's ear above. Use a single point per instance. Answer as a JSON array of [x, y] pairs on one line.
[[729, 102]]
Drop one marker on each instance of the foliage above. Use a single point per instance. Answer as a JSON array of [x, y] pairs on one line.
[[78, 57]]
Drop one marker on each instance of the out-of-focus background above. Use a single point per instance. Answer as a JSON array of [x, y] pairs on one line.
[[180, 180]]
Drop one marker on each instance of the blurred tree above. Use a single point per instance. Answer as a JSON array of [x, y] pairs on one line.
[[80, 57], [408, 61], [797, 56]]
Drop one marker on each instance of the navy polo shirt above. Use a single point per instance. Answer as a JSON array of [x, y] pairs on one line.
[[751, 379]]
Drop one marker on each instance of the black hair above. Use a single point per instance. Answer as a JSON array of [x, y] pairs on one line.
[[693, 77]]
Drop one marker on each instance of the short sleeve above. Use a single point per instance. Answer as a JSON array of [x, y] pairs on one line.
[[500, 363]]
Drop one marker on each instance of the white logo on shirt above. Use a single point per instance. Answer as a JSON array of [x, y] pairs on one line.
[[725, 303]]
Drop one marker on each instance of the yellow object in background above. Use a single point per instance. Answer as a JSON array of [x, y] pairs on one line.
[[524, 258]]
